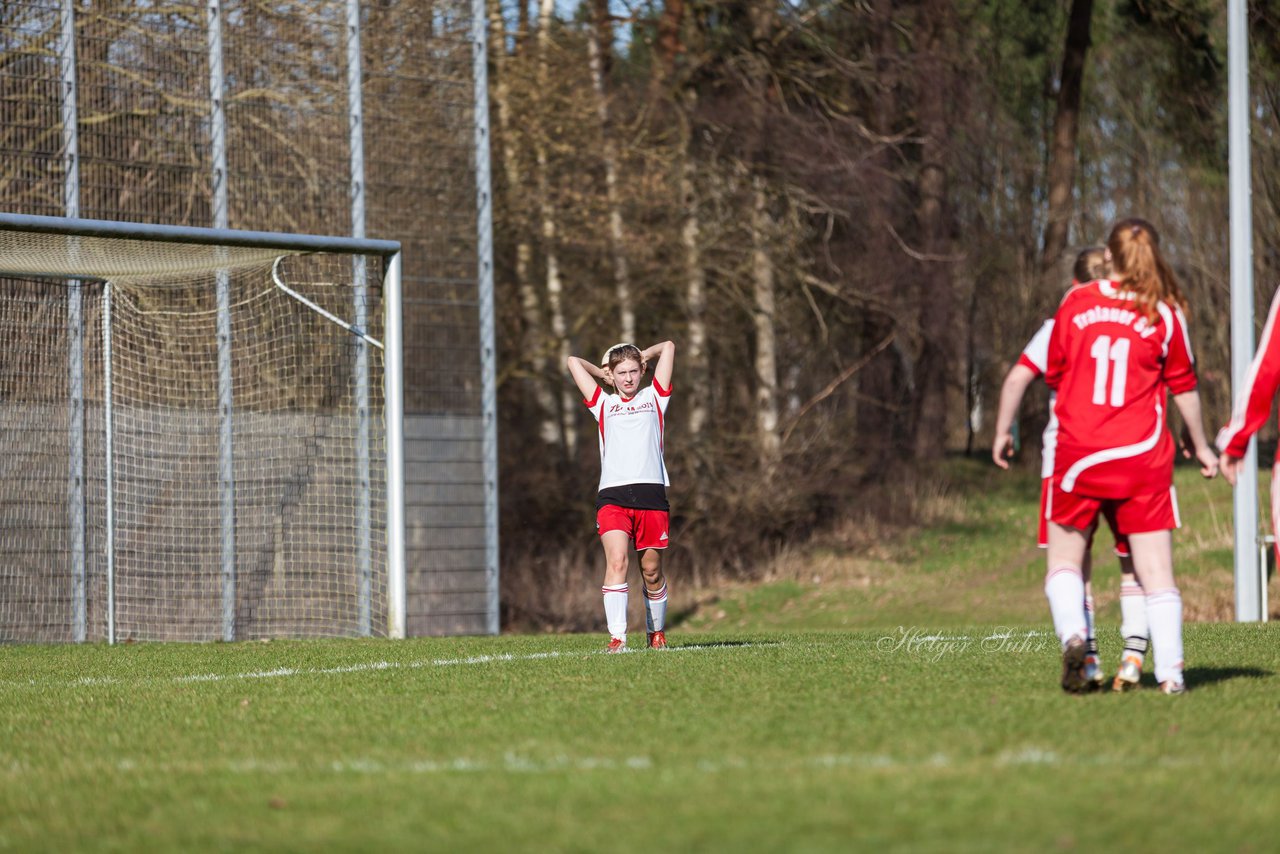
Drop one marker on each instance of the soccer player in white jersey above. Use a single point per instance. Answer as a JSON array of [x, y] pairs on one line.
[[631, 505], [1117, 349], [1090, 265]]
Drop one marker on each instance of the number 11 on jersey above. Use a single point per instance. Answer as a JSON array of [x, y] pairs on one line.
[[1110, 361]]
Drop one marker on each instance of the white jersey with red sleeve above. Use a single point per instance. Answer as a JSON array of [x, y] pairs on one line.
[[1253, 402], [1035, 357], [1110, 368], [631, 436]]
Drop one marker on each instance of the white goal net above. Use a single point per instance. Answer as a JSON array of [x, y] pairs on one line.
[[194, 441]]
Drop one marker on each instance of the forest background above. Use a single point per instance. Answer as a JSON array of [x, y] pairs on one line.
[[850, 217]]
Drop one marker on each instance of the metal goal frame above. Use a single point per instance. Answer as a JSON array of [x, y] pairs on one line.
[[393, 376]]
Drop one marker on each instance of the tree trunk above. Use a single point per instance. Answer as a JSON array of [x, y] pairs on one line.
[[937, 301], [550, 247], [1062, 153], [669, 47], [695, 351], [764, 317], [599, 38], [763, 296], [683, 103], [881, 418], [534, 347]]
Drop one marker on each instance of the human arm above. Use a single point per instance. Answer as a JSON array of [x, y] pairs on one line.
[[585, 375], [1253, 401], [1188, 403], [666, 353], [1015, 386]]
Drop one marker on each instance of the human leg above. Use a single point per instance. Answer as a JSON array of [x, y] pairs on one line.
[[1153, 565], [1133, 626], [1064, 588], [655, 597], [1064, 581], [651, 537], [616, 546], [1092, 658], [1133, 613]]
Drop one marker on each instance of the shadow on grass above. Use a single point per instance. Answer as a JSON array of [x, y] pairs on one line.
[[722, 644], [678, 616], [1199, 677]]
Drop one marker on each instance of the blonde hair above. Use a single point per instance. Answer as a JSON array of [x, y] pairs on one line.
[[1137, 266], [1091, 264]]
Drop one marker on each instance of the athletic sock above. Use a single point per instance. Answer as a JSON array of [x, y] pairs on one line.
[[655, 608], [1091, 640], [1133, 619], [615, 609], [1064, 588], [1164, 619]]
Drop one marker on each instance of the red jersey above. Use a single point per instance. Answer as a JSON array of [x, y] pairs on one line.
[[1110, 367], [1253, 402]]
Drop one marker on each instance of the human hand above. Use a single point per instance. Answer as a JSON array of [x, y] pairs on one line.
[[1208, 461], [1002, 450], [1231, 467]]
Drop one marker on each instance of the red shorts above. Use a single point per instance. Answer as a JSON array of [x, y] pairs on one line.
[[1122, 541], [1139, 514], [647, 527]]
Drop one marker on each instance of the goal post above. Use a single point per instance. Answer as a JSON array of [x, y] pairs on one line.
[[204, 432]]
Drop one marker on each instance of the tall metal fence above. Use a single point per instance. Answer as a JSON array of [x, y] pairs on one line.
[[310, 116]]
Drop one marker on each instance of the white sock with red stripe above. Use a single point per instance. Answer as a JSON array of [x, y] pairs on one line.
[[1064, 588], [655, 608], [1133, 618], [1164, 619], [615, 609]]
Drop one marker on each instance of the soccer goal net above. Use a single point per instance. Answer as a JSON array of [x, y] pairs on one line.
[[196, 441]]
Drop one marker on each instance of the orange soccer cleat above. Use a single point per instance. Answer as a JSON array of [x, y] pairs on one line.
[[616, 645], [657, 640]]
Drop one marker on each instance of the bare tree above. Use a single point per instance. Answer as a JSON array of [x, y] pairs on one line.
[[1062, 152], [599, 49], [534, 345], [550, 239], [936, 302], [763, 311]]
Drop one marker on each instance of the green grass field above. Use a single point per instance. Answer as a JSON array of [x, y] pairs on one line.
[[796, 714]]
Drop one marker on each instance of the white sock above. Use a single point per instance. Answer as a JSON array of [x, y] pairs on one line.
[[1164, 619], [655, 607], [1092, 638], [1133, 618], [1064, 588], [615, 609]]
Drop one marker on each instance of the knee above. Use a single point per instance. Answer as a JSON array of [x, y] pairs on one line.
[[651, 568]]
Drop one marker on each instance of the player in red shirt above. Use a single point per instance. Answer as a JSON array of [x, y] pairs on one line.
[[631, 502], [1252, 409], [1116, 347], [1091, 265]]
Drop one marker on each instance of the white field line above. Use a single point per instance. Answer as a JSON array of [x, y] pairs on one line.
[[516, 764], [414, 665], [374, 666]]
